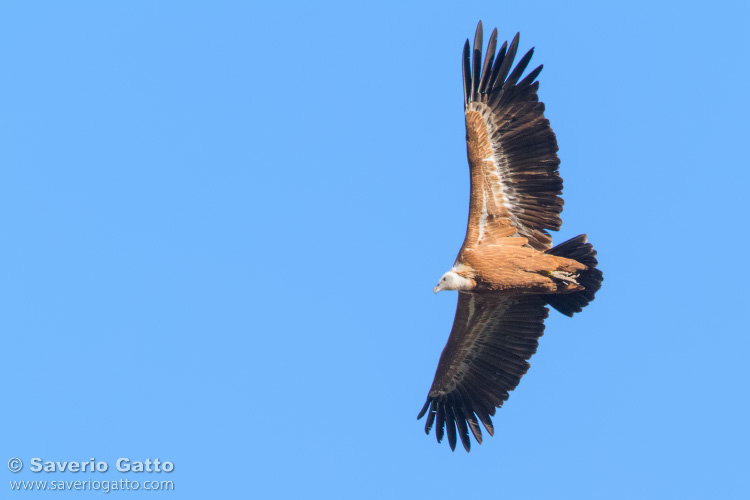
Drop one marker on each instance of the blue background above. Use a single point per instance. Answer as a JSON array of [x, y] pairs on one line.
[[222, 223]]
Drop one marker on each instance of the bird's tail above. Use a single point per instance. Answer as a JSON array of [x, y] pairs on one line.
[[580, 250]]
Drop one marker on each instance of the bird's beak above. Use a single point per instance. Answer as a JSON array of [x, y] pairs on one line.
[[436, 289]]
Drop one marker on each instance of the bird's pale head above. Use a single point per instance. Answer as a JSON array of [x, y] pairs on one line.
[[453, 281]]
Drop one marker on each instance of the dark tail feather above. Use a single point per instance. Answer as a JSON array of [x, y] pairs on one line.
[[577, 249]]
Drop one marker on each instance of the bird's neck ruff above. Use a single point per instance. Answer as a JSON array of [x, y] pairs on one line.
[[460, 280]]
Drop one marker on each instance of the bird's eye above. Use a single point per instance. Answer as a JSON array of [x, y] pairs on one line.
[[443, 279]]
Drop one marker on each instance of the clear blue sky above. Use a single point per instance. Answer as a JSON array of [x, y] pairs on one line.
[[222, 222]]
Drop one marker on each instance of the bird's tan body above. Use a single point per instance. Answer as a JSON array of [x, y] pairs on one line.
[[513, 267]]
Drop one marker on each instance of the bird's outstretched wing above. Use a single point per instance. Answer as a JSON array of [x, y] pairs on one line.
[[512, 150], [485, 357]]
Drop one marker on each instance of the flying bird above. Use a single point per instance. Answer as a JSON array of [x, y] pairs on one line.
[[507, 271]]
